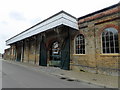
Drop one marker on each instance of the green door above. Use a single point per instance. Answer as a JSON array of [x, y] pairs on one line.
[[18, 53], [65, 54], [43, 54]]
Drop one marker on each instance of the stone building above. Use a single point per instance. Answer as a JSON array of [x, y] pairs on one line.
[[7, 55], [90, 43]]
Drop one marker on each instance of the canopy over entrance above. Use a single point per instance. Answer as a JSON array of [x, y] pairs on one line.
[[61, 18]]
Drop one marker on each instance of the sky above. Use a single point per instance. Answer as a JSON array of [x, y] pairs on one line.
[[18, 15]]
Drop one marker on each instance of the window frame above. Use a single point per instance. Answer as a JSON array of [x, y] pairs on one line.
[[75, 45], [113, 41]]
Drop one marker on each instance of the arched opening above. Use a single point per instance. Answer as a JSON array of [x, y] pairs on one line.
[[55, 54]]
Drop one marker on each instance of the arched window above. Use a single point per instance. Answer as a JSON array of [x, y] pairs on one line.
[[80, 44], [110, 43]]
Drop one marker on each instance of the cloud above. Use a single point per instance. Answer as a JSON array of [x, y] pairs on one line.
[[17, 16], [3, 23], [35, 20]]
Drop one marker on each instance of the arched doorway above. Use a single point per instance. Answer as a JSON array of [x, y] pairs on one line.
[[55, 54]]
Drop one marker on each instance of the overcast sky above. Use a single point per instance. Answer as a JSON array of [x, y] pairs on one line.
[[18, 15]]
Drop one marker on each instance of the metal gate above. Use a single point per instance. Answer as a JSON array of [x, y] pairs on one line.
[[43, 54]]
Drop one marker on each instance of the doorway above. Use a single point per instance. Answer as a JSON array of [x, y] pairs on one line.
[[55, 54]]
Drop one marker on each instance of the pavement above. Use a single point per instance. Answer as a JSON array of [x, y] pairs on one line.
[[103, 81]]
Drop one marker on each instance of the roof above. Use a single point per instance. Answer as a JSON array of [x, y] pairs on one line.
[[99, 11], [61, 18]]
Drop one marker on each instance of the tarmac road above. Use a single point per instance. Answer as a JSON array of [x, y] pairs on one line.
[[16, 76]]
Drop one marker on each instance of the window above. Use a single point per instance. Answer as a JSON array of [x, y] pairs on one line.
[[80, 44], [110, 41]]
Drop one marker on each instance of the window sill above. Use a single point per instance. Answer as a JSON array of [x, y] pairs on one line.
[[110, 54]]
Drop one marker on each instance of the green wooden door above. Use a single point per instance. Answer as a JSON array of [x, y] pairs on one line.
[[18, 53], [43, 54], [65, 54]]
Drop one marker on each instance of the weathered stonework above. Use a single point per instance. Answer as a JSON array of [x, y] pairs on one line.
[[92, 27]]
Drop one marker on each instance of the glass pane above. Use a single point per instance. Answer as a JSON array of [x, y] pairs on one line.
[[107, 38], [116, 44], [84, 41], [111, 43], [80, 51], [83, 51], [111, 38], [117, 50], [83, 46], [116, 36], [112, 50], [107, 50], [107, 44], [103, 44]]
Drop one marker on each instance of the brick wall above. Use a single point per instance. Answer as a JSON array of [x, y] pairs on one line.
[[92, 27]]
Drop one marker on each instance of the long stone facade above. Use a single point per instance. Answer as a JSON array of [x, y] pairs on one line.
[[93, 47]]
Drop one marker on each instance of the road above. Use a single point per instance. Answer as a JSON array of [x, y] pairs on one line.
[[16, 76]]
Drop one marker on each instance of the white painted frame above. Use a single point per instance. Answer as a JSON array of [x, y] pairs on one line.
[[75, 45]]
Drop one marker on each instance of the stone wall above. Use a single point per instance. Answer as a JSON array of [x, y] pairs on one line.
[[7, 54]]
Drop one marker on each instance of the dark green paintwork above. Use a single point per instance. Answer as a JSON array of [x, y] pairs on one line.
[[43, 54], [65, 54]]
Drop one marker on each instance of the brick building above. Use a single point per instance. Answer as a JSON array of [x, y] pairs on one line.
[[90, 43]]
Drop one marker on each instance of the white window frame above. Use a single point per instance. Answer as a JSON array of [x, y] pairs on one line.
[[75, 45], [114, 43]]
